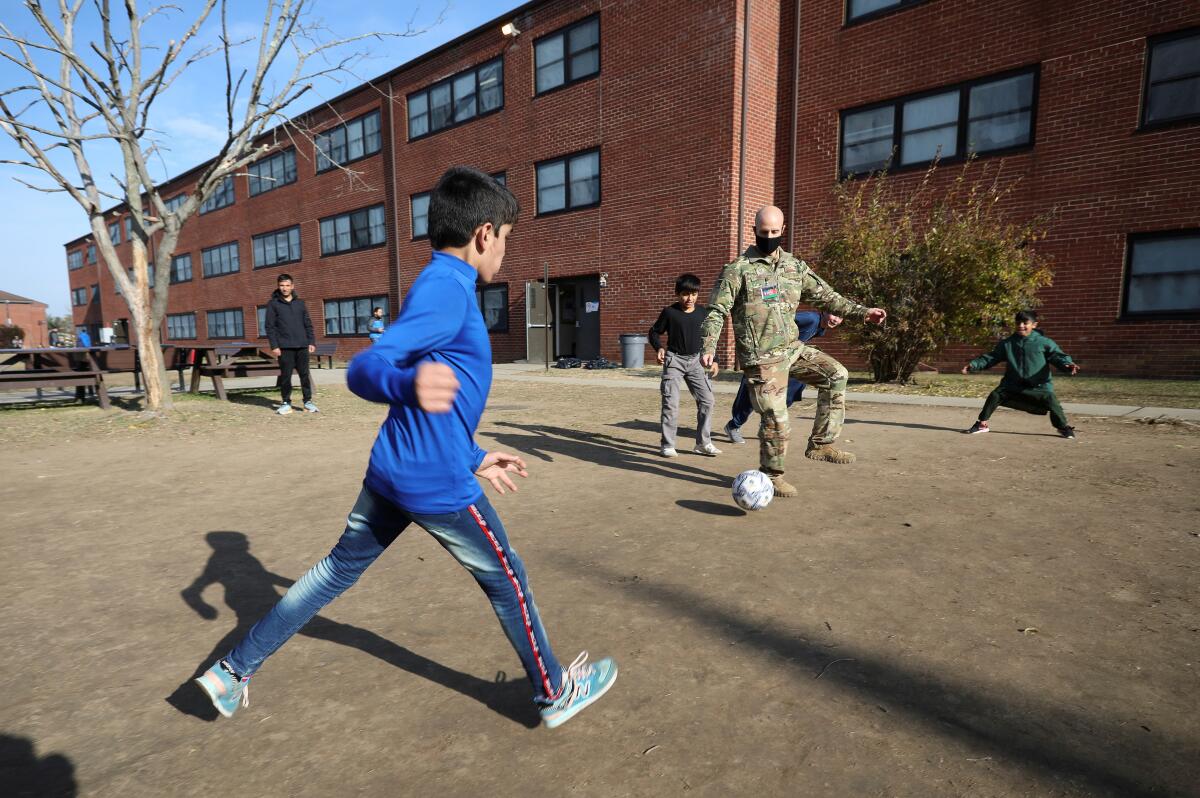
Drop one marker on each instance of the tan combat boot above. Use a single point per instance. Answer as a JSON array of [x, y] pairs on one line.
[[783, 488], [826, 452]]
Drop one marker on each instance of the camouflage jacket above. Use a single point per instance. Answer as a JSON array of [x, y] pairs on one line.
[[762, 294]]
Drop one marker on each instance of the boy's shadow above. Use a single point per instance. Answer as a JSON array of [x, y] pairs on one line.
[[250, 593]]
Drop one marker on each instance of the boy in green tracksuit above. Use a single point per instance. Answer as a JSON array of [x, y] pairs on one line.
[[1027, 384]]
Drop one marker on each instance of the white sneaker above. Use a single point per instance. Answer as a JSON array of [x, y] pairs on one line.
[[668, 451], [708, 450], [284, 409]]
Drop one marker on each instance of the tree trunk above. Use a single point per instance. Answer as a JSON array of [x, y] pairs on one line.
[[154, 374]]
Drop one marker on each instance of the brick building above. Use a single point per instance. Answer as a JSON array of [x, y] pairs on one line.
[[640, 137], [29, 315]]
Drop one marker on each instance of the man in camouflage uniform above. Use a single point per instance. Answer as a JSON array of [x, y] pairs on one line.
[[761, 290]]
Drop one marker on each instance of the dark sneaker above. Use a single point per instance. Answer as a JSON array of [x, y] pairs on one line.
[[1068, 433], [978, 427], [734, 433]]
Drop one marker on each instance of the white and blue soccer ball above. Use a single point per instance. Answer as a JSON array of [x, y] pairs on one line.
[[752, 490]]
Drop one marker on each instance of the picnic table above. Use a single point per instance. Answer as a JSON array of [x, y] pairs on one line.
[[54, 367], [220, 361]]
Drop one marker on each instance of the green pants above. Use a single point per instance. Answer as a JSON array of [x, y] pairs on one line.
[[1038, 401], [768, 384]]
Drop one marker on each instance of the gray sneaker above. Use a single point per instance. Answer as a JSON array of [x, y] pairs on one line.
[[734, 433], [708, 450], [309, 407], [284, 409]]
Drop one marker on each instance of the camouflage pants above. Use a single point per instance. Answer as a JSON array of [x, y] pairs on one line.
[[768, 393]]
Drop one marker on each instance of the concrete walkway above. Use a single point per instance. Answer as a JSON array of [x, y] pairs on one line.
[[535, 372]]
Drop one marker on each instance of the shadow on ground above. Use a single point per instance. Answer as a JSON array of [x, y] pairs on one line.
[[250, 592], [543, 442], [710, 508], [24, 774], [1103, 756]]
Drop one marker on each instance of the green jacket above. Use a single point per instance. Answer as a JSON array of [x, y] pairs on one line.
[[1028, 360], [761, 294]]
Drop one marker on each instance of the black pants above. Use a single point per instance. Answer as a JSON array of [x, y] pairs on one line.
[[1038, 401], [294, 359]]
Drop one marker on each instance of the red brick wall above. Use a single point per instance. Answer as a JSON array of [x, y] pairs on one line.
[[1089, 161], [30, 317]]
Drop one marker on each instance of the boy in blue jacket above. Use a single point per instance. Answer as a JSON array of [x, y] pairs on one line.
[[433, 366], [1027, 385]]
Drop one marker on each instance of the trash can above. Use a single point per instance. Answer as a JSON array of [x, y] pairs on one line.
[[633, 350]]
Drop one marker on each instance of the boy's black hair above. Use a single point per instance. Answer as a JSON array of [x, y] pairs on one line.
[[375, 309], [283, 277], [687, 284], [464, 199], [1027, 315]]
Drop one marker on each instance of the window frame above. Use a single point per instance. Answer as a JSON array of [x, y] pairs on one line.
[[250, 178], [228, 181], [367, 210], [566, 159], [412, 227], [1127, 277], [175, 203], [902, 5], [372, 299], [208, 324], [963, 122], [1151, 43], [450, 81], [563, 32], [260, 325], [318, 154], [115, 225], [167, 322], [70, 259], [299, 245], [483, 288], [75, 296], [204, 275], [191, 270]]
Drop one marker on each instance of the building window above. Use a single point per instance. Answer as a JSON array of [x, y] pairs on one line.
[[566, 184], [114, 232], [272, 172], [181, 268], [990, 115], [91, 253], [128, 228], [457, 99], [75, 260], [221, 259], [420, 215], [356, 139], [493, 304], [182, 326], [95, 291], [351, 316], [79, 296], [261, 315], [568, 55], [225, 323], [1172, 90], [350, 231], [220, 198], [175, 203], [501, 178], [281, 246], [857, 10], [1163, 275]]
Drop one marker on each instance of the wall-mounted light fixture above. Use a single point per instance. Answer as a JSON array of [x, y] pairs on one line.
[[510, 30], [603, 279]]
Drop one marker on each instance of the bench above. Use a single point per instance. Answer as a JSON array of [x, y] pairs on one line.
[[54, 378], [227, 365], [325, 351]]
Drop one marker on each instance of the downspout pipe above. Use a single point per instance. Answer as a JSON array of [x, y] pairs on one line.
[[791, 217], [741, 211]]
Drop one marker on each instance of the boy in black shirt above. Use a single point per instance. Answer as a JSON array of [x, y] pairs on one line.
[[680, 358]]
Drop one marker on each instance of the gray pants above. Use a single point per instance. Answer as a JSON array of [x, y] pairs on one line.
[[688, 369]]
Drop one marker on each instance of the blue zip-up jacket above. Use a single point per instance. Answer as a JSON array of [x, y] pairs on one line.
[[425, 462]]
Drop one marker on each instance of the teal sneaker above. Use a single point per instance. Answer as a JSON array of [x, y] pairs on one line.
[[582, 684], [225, 689]]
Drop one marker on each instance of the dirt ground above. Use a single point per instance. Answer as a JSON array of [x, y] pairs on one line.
[[994, 615]]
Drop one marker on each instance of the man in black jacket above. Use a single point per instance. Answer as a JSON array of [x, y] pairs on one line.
[[290, 332]]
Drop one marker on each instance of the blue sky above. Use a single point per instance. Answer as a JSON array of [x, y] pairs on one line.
[[34, 226]]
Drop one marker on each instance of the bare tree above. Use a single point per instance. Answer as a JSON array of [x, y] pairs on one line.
[[81, 94]]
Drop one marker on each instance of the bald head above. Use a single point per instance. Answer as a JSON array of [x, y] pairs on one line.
[[768, 221]]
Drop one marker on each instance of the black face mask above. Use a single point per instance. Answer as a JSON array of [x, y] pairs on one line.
[[767, 245]]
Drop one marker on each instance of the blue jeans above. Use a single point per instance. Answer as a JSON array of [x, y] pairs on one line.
[[474, 536], [742, 407]]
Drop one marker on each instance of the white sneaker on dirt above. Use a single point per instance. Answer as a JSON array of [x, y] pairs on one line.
[[668, 451], [283, 410], [708, 450]]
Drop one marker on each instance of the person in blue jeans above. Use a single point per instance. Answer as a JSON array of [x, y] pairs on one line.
[[433, 367], [810, 324]]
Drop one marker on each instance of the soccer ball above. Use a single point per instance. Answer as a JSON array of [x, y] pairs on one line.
[[752, 490]]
